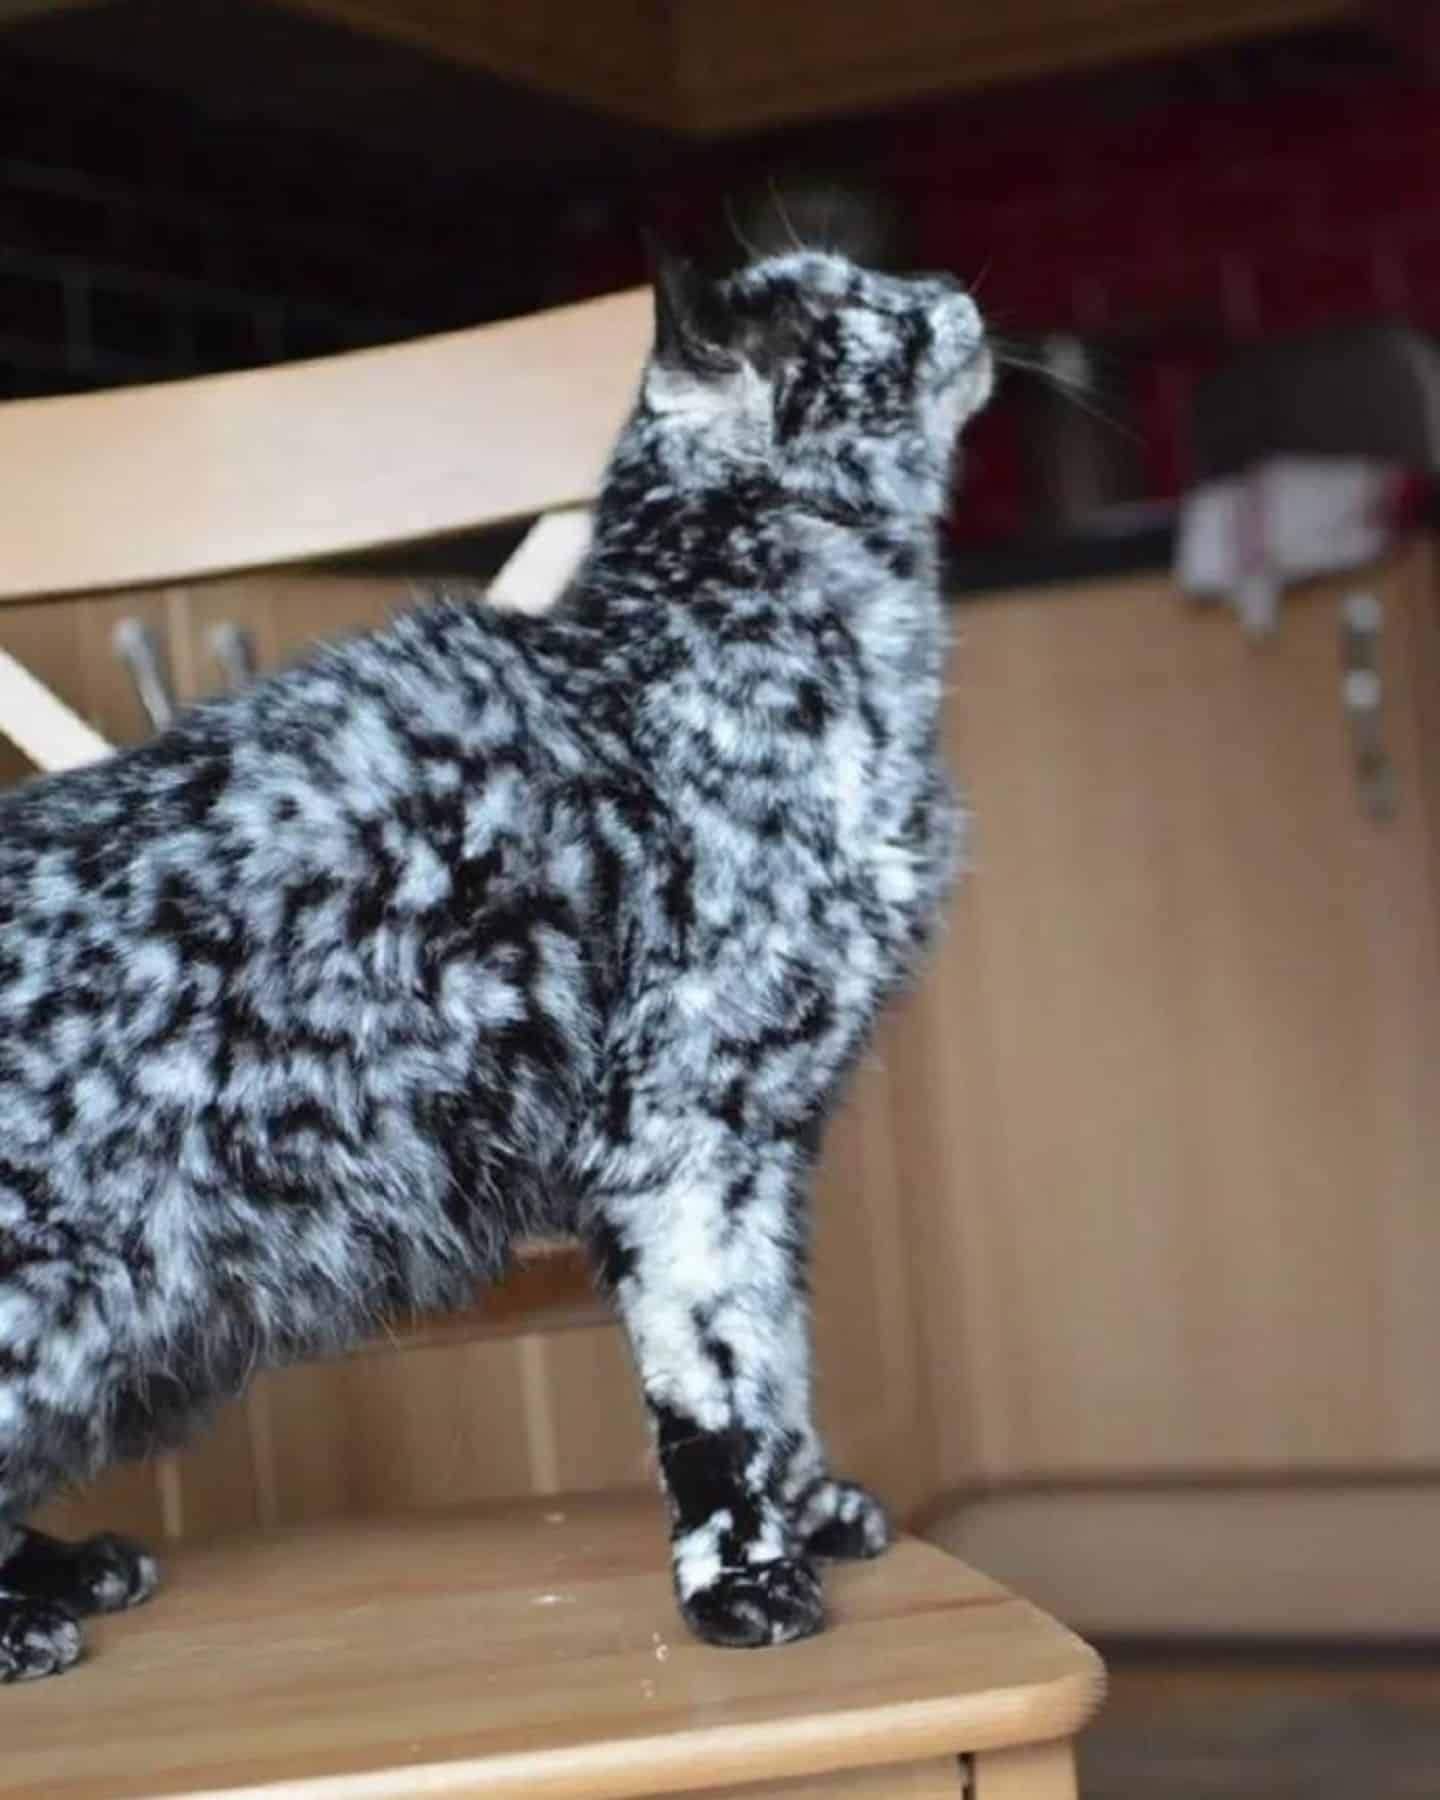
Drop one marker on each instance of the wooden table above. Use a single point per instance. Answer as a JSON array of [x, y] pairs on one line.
[[534, 1650]]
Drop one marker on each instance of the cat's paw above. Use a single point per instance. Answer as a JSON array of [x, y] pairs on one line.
[[758, 1603], [104, 1573], [111, 1574], [840, 1520], [36, 1638]]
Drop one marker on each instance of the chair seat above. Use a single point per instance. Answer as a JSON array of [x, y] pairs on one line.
[[529, 1649]]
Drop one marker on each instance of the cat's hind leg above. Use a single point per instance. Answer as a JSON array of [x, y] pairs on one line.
[[840, 1521], [54, 1427], [37, 1638], [39, 1634], [100, 1574]]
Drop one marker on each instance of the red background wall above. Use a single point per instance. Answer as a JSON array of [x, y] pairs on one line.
[[1172, 234], [1164, 214]]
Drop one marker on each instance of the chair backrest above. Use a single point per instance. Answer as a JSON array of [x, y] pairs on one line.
[[143, 485]]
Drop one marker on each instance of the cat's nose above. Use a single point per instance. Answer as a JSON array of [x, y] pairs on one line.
[[963, 309], [954, 297]]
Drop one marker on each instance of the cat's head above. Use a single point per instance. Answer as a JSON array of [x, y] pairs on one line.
[[848, 388]]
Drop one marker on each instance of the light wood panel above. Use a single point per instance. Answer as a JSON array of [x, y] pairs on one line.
[[544, 561], [127, 1500], [701, 68], [753, 62], [1338, 1561], [1034, 1772], [271, 466], [937, 1778], [419, 1428], [283, 611], [40, 726], [1176, 1066], [525, 1651], [437, 1425], [1416, 631], [70, 649], [612, 54], [873, 1388], [12, 11]]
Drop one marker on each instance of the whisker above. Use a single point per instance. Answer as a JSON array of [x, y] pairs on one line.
[[826, 221], [1080, 395], [1082, 402], [739, 236], [1016, 354], [784, 214]]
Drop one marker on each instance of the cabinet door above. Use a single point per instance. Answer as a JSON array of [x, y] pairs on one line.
[[69, 645], [872, 1386], [1172, 1084], [281, 612]]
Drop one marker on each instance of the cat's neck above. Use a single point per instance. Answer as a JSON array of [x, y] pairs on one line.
[[745, 542]]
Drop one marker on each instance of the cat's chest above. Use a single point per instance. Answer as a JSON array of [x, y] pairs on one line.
[[877, 750], [887, 810], [840, 836], [867, 767]]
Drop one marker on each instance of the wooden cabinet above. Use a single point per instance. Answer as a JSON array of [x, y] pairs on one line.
[[280, 612], [1172, 1085], [754, 64], [69, 648]]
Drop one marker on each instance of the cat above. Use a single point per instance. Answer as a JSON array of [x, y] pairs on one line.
[[484, 925]]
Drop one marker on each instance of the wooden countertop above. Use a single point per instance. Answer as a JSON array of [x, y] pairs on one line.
[[531, 1649]]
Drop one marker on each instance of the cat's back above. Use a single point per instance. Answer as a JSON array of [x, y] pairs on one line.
[[310, 830]]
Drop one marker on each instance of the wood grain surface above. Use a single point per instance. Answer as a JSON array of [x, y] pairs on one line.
[[525, 1650]]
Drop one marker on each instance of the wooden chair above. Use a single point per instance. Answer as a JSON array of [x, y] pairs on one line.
[[530, 1647]]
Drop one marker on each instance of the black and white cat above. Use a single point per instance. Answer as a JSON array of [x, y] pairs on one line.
[[484, 925]]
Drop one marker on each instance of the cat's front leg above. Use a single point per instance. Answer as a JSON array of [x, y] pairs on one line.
[[831, 1519], [840, 1521], [708, 1270]]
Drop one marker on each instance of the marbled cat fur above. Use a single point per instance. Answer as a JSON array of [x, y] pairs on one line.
[[486, 924]]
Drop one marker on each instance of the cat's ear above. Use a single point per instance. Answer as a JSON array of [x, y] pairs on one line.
[[693, 326]]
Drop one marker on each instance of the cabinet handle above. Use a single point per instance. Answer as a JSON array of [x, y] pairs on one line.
[[1362, 618], [139, 649], [233, 648]]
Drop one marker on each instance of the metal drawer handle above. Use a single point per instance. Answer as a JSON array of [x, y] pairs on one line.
[[233, 649], [1362, 618], [139, 649]]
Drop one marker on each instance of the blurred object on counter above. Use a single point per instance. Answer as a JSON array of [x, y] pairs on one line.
[[1312, 455], [1246, 538]]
